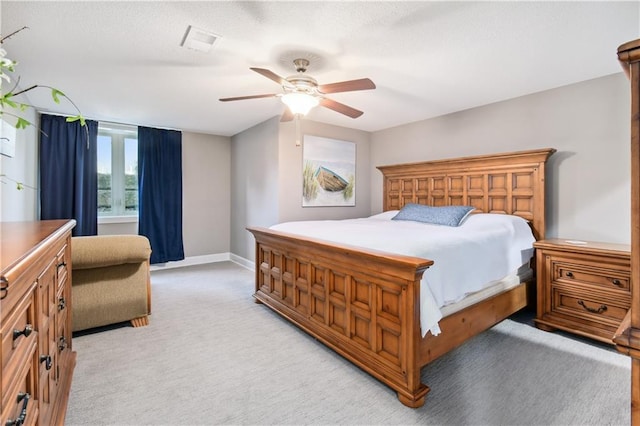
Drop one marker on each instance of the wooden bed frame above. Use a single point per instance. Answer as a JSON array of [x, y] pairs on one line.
[[364, 304]]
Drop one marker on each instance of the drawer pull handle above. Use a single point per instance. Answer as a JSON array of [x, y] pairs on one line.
[[24, 398], [4, 288], [26, 332], [47, 360], [600, 310], [617, 282], [62, 343], [62, 264], [569, 274], [62, 303]]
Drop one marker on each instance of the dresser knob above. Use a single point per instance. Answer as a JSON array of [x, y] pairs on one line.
[[569, 274], [26, 332], [47, 360], [62, 303], [62, 343], [616, 281]]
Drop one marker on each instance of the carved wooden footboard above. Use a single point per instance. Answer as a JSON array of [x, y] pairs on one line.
[[365, 304], [368, 314]]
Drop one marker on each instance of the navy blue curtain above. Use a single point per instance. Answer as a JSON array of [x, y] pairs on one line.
[[68, 172], [160, 192]]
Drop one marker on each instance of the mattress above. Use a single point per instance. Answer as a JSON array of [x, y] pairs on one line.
[[524, 273], [485, 248]]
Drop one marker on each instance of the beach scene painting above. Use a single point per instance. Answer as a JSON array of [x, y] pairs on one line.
[[328, 173]]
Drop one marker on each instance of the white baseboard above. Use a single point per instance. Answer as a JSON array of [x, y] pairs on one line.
[[209, 258], [245, 263]]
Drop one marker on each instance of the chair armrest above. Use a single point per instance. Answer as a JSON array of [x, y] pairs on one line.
[[106, 250]]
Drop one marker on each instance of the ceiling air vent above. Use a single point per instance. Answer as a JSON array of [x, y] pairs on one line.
[[198, 39]]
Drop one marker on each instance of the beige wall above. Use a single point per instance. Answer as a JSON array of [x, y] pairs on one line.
[[266, 184], [206, 196], [290, 179], [588, 123], [254, 183]]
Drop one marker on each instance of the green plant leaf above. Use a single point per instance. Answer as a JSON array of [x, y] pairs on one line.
[[83, 121], [55, 94], [22, 123], [8, 64], [6, 100]]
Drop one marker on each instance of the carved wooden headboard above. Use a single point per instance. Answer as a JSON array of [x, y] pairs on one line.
[[507, 183]]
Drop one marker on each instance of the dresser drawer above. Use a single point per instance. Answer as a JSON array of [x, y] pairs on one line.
[[47, 290], [19, 402], [574, 272], [62, 266], [599, 307], [18, 333], [47, 372], [10, 295], [63, 331]]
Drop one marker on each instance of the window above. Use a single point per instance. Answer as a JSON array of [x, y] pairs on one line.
[[117, 170]]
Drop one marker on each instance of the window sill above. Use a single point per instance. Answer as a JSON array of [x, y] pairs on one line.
[[117, 219]]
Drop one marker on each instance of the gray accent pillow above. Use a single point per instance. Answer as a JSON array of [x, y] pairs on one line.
[[445, 215]]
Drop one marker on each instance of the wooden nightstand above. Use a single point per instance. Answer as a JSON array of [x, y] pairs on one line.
[[583, 287]]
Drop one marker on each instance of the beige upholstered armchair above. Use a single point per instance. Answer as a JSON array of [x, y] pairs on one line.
[[110, 280]]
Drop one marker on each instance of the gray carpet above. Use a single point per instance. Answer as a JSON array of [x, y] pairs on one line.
[[212, 356]]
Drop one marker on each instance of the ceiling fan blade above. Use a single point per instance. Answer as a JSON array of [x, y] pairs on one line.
[[347, 86], [241, 98], [341, 108], [287, 115], [271, 76]]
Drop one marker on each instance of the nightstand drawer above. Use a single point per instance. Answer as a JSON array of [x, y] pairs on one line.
[[582, 287], [591, 306], [568, 272]]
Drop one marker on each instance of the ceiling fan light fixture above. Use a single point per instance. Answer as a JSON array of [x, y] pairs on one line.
[[302, 92], [300, 103]]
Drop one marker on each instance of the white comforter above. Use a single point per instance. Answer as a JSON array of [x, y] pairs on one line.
[[485, 248]]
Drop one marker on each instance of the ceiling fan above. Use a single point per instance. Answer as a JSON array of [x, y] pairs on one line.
[[302, 92]]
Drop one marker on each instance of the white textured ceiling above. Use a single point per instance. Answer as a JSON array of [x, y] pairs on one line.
[[122, 61]]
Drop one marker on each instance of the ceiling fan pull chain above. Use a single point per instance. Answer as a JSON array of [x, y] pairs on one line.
[[298, 135]]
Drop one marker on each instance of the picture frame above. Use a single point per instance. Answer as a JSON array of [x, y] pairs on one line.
[[328, 172]]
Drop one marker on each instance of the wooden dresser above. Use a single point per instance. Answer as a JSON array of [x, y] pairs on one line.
[[35, 318], [628, 335], [583, 287]]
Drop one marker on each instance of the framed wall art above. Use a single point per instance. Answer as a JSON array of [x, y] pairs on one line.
[[328, 172]]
